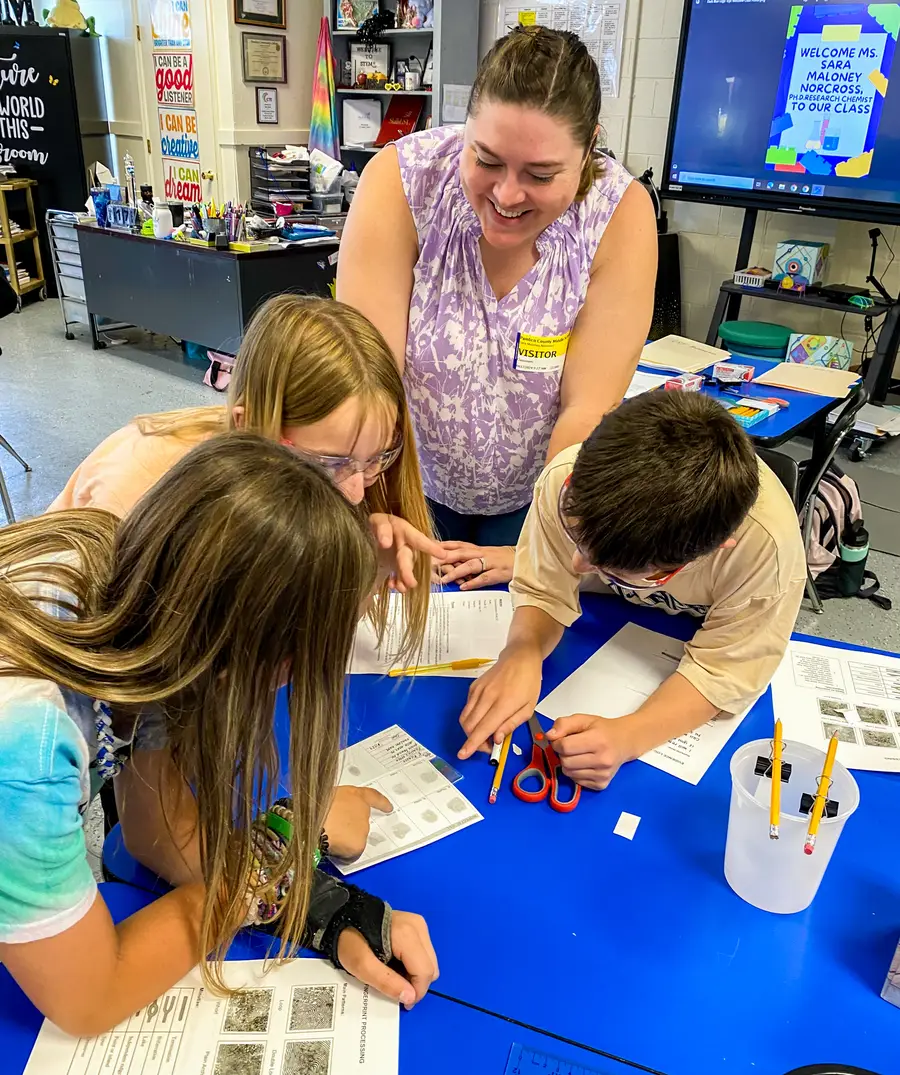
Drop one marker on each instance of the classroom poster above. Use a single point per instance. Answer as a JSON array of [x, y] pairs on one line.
[[174, 76], [834, 78], [181, 182], [170, 21], [178, 134]]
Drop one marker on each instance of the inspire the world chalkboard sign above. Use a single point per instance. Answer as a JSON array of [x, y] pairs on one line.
[[39, 126]]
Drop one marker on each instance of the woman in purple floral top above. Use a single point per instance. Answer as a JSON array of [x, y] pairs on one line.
[[513, 278]]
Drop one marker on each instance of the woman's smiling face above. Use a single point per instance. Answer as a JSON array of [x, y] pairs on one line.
[[520, 170]]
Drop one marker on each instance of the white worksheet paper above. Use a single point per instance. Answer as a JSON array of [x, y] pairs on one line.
[[645, 382], [303, 1018], [427, 807], [620, 677], [821, 690], [460, 626]]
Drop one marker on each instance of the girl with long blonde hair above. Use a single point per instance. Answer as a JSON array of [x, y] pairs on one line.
[[316, 375], [151, 650]]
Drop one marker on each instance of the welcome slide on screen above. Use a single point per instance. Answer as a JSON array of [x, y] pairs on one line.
[[834, 79]]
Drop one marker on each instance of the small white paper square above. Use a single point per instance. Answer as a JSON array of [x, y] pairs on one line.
[[626, 825]]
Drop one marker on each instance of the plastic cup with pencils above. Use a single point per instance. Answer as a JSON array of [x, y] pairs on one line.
[[817, 794]]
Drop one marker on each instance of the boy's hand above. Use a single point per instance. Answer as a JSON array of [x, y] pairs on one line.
[[347, 824], [591, 749], [411, 946], [502, 699]]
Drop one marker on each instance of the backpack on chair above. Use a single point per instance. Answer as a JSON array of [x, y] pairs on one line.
[[839, 542]]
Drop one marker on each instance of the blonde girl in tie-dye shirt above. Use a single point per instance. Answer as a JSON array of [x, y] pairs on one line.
[[513, 277]]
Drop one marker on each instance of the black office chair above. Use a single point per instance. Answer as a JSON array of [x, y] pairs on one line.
[[801, 480]]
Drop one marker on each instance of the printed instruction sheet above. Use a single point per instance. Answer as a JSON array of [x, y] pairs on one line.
[[460, 626], [819, 691], [304, 1018], [427, 807], [620, 677]]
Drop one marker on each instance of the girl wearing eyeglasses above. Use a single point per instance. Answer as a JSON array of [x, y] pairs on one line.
[[317, 376]]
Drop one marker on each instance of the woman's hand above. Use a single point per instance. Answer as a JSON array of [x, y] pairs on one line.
[[398, 542], [479, 565], [347, 823], [411, 947]]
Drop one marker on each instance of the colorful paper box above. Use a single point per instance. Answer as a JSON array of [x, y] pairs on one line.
[[799, 263], [812, 350]]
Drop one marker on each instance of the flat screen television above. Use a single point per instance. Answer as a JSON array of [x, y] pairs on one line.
[[787, 106]]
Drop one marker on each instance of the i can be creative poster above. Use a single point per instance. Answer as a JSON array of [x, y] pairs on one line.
[[834, 78]]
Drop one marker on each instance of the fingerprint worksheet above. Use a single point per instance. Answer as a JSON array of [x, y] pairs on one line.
[[303, 1018], [427, 806]]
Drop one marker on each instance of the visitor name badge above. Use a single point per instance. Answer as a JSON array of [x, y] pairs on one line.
[[540, 354]]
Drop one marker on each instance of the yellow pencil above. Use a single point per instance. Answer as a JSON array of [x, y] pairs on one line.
[[453, 666], [775, 805], [821, 797], [498, 772]]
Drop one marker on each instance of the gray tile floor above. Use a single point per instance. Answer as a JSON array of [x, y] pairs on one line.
[[59, 398]]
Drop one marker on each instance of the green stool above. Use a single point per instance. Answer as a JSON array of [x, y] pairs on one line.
[[755, 339]]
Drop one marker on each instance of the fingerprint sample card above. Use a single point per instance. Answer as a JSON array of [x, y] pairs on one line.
[[304, 1018], [427, 807]]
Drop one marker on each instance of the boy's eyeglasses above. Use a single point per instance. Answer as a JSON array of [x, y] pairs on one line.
[[658, 578], [342, 467]]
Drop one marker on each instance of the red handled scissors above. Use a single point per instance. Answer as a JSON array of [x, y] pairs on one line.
[[545, 768]]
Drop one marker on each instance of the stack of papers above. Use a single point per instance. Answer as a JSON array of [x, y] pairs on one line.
[[817, 380], [876, 421], [681, 354]]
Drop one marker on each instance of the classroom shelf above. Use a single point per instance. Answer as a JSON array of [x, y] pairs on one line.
[[396, 32], [22, 236], [360, 149], [385, 93]]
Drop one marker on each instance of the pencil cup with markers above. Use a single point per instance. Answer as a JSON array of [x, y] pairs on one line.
[[777, 874]]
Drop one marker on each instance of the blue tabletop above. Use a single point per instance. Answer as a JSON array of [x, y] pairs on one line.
[[803, 406], [640, 948], [481, 1042]]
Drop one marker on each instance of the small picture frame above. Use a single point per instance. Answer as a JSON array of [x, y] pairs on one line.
[[264, 57], [260, 13], [400, 69], [266, 104]]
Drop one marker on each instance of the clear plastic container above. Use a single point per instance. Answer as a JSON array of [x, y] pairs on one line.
[[776, 875], [327, 204]]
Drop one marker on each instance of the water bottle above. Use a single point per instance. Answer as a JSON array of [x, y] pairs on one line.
[[854, 551]]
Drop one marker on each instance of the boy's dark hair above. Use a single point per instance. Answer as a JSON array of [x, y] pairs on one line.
[[665, 478]]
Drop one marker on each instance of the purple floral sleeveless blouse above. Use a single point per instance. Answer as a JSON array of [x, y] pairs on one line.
[[483, 427]]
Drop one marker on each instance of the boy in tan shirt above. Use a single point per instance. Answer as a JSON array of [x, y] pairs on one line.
[[668, 505]]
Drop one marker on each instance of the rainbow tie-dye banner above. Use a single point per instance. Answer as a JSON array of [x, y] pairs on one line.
[[323, 128]]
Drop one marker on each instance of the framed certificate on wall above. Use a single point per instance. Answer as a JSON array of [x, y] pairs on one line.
[[264, 57], [260, 13], [266, 104]]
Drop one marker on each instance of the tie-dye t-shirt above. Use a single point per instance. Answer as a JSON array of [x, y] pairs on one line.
[[482, 425], [48, 776]]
